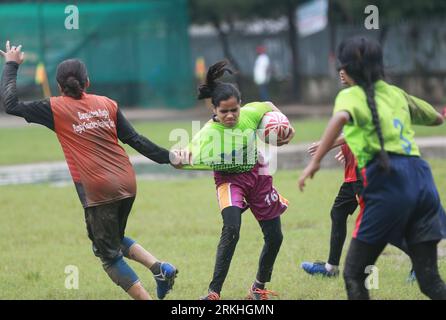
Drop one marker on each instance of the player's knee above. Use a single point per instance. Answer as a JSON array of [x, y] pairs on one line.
[[338, 217], [352, 274], [234, 232], [108, 256], [432, 286], [231, 233], [121, 273], [279, 238], [333, 216], [348, 277], [425, 288], [274, 239], [125, 246]]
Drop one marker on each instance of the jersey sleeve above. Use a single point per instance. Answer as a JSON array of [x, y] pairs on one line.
[[38, 111], [128, 135], [256, 110], [421, 112], [343, 102], [32, 111]]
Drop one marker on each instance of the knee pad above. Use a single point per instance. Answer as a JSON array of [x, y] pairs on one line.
[[125, 246], [121, 273]]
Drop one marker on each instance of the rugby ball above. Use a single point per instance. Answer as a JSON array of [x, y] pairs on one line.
[[274, 127]]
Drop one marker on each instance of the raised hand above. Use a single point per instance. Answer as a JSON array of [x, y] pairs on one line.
[[13, 53]]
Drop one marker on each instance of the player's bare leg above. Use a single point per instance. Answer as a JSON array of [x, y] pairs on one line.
[[141, 255], [138, 292]]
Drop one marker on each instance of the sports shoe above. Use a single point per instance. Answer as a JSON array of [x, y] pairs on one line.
[[412, 277], [259, 294], [318, 267], [165, 279], [211, 296]]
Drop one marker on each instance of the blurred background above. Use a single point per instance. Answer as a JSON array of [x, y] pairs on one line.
[[153, 53]]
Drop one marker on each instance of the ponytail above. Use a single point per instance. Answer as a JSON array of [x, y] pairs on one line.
[[72, 88], [383, 157], [216, 90]]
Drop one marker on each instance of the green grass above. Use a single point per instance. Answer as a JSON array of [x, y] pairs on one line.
[[38, 144], [43, 231]]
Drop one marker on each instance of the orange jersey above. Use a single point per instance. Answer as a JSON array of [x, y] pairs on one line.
[[99, 166]]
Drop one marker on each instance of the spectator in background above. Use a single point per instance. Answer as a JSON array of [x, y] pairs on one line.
[[262, 73]]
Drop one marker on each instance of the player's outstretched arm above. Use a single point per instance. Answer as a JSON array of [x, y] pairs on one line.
[[422, 112], [333, 131], [13, 58], [128, 135], [33, 111], [315, 145]]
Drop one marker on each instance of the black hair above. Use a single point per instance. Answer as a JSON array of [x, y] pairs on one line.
[[72, 77], [362, 60], [218, 91]]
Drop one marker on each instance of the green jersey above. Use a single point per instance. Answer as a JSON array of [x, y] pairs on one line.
[[397, 112], [232, 150]]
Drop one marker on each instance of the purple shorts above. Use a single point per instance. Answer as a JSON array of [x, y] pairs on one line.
[[250, 189]]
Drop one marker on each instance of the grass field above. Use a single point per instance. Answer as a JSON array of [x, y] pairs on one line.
[[38, 144], [43, 231]]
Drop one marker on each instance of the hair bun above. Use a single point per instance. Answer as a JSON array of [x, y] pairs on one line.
[[72, 82], [73, 88]]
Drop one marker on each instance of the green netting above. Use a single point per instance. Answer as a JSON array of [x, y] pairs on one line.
[[136, 52]]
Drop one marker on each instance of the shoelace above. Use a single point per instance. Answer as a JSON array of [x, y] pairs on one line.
[[264, 293], [160, 276], [163, 275]]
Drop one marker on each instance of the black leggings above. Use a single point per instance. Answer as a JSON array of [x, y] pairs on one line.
[[344, 205], [272, 234], [424, 260]]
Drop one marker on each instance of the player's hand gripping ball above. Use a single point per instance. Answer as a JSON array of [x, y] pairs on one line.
[[274, 128]]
